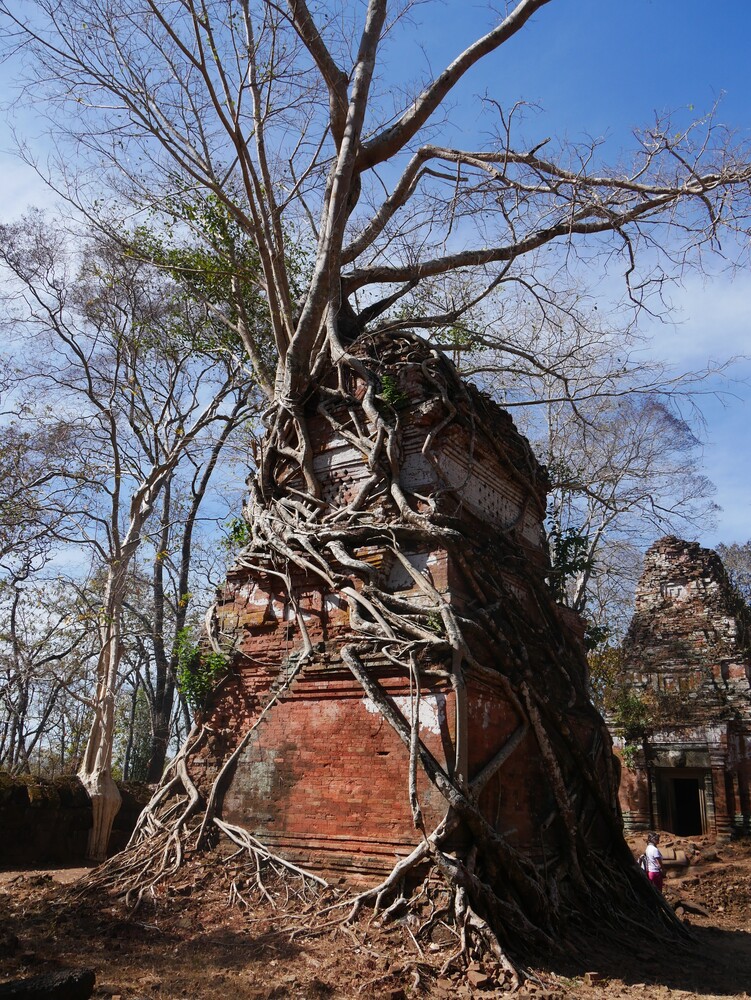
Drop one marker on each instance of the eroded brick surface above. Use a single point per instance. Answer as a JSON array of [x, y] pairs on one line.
[[686, 658], [323, 778]]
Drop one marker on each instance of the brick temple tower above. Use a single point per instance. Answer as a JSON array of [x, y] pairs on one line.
[[686, 657], [322, 778]]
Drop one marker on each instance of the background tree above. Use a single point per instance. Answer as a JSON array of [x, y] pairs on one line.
[[286, 116], [39, 482], [614, 426], [166, 603], [736, 559], [45, 648], [627, 470], [149, 383]]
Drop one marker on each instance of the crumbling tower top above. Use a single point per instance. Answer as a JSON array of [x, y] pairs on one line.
[[690, 631], [686, 661]]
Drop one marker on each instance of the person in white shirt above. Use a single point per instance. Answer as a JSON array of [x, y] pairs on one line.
[[655, 870]]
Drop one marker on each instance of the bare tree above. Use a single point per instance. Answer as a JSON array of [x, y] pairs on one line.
[[45, 652], [628, 470], [615, 427], [282, 113], [166, 603], [736, 558], [128, 359], [38, 482]]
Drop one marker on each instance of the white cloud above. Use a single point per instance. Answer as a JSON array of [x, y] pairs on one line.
[[22, 187], [712, 320]]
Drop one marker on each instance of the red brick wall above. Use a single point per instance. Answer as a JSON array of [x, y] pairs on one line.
[[324, 779]]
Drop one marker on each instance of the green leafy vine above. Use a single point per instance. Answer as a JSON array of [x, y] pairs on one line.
[[198, 671]]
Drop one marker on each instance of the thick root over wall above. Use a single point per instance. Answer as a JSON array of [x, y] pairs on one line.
[[490, 897]]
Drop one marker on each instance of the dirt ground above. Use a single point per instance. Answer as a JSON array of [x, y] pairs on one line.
[[192, 943]]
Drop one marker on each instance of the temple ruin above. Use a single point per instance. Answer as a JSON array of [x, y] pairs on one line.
[[321, 778], [688, 665]]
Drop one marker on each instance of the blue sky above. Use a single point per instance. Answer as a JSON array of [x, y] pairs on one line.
[[599, 68], [603, 68], [614, 65]]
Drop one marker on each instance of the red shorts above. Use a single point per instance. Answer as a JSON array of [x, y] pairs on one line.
[[656, 879]]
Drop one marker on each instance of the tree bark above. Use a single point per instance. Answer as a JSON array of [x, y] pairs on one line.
[[501, 897], [95, 771]]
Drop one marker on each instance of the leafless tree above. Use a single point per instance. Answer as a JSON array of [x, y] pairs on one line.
[[45, 650], [109, 344], [282, 112], [736, 558], [618, 429], [165, 601], [629, 470], [38, 480]]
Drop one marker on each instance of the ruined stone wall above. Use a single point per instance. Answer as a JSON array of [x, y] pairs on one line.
[[323, 778], [45, 822], [686, 657]]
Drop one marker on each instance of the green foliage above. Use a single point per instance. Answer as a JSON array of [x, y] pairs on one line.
[[595, 635], [459, 338], [434, 622], [569, 555], [391, 393], [631, 717], [604, 670], [561, 473], [198, 672], [238, 533], [206, 251]]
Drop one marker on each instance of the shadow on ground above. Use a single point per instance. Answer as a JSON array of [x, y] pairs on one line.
[[193, 944], [713, 962]]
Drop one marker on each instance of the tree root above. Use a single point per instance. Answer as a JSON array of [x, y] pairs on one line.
[[493, 901], [257, 851]]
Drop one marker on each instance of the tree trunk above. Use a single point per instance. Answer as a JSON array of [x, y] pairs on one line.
[[95, 771], [161, 720]]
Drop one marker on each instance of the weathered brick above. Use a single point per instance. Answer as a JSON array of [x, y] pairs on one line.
[[324, 778], [686, 658]]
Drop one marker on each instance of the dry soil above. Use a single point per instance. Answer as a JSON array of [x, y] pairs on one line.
[[189, 942]]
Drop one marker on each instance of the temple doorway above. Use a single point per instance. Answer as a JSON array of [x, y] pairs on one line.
[[682, 802]]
